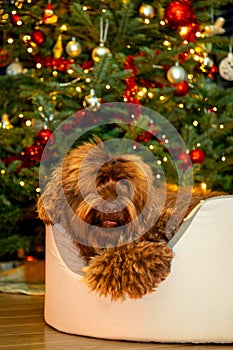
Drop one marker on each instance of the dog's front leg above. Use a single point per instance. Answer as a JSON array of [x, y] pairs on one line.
[[131, 271]]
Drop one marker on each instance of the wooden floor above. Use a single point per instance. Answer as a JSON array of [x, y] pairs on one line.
[[22, 328]]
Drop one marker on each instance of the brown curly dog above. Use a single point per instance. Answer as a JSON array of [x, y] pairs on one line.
[[116, 218]]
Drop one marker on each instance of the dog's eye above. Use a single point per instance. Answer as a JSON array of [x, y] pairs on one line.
[[124, 187]]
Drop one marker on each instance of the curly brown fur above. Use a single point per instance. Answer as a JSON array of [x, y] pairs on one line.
[[126, 253], [130, 271]]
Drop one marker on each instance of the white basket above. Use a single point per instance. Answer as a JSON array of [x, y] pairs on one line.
[[194, 304]]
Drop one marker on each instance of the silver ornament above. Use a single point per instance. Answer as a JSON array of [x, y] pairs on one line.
[[176, 74], [91, 102], [146, 11], [73, 48], [14, 68], [226, 67], [208, 62], [99, 52]]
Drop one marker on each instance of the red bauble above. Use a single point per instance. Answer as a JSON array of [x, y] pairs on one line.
[[197, 156], [181, 88], [183, 160], [192, 29], [31, 155], [43, 136], [145, 137], [179, 13], [15, 19], [212, 71], [38, 37]]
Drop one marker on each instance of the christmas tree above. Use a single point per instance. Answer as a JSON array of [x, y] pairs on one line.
[[59, 59]]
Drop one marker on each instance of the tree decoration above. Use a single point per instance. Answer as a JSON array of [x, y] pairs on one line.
[[5, 123], [176, 74], [183, 160], [101, 51], [91, 102], [4, 57], [73, 48], [216, 28], [58, 47], [61, 64], [15, 19], [207, 61], [179, 13], [189, 31], [31, 155], [43, 136], [14, 68], [197, 156], [144, 137], [129, 95], [146, 11], [38, 37], [212, 72], [226, 64], [49, 16], [181, 89]]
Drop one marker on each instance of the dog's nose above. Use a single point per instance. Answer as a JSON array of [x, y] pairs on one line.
[[110, 207]]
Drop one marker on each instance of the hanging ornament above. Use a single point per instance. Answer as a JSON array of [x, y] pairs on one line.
[[179, 13], [101, 51], [183, 160], [197, 156], [208, 62], [212, 71], [226, 65], [73, 48], [49, 16], [176, 74], [181, 89], [189, 31], [38, 37], [15, 19], [4, 57], [146, 11], [91, 102], [31, 155], [58, 47], [5, 123], [144, 137], [43, 136], [216, 28], [14, 68]]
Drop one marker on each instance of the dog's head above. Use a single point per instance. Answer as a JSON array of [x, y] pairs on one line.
[[110, 196]]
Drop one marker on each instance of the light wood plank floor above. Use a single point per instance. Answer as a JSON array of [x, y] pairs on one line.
[[22, 328]]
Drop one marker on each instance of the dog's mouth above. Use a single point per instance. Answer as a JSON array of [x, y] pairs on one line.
[[108, 224]]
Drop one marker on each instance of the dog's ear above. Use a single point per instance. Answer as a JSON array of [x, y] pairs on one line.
[[49, 204]]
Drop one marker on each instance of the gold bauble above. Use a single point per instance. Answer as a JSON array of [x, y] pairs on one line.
[[73, 48], [99, 52], [176, 74], [146, 11]]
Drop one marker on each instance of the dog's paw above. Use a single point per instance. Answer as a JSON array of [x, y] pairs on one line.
[[129, 271]]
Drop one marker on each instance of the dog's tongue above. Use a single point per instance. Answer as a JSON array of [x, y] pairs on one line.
[[109, 223]]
